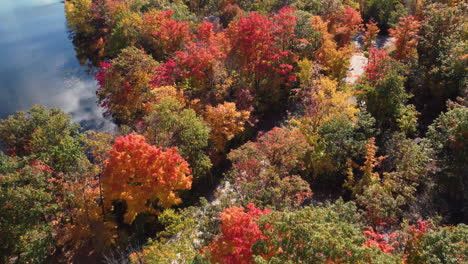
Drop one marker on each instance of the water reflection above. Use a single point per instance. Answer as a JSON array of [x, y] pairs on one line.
[[38, 63]]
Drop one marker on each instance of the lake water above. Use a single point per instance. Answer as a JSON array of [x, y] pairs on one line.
[[38, 63]]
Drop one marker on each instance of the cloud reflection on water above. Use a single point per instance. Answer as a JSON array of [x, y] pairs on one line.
[[38, 64]]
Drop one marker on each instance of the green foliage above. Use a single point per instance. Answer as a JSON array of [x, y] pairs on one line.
[[448, 135], [185, 233], [48, 135], [447, 245], [340, 139], [170, 125], [385, 12], [386, 101], [320, 234], [26, 214], [440, 73]]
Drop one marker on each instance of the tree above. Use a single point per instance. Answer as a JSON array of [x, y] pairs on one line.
[[168, 124], [440, 72], [338, 140], [28, 208], [142, 176], [267, 171], [225, 122], [79, 16], [406, 38], [334, 60], [48, 135], [385, 95], [125, 85], [441, 245], [448, 136], [379, 62], [258, 51], [161, 35], [316, 234], [371, 34], [385, 12], [346, 25], [239, 232], [323, 101], [198, 60]]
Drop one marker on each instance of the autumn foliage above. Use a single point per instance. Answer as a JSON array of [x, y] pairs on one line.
[[225, 122], [406, 37], [239, 232], [141, 174], [249, 104]]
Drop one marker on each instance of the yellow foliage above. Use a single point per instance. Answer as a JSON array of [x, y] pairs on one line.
[[225, 122], [333, 59], [324, 103], [369, 175], [159, 93], [79, 16]]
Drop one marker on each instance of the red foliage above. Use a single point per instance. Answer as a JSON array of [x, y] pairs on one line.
[[41, 167], [166, 74], [258, 41], [165, 34], [348, 23], [375, 68], [379, 240], [284, 22], [101, 75], [239, 232]]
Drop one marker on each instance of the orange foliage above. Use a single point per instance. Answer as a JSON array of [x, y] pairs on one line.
[[239, 233], [381, 241], [225, 122], [348, 23], [86, 228], [162, 34], [138, 173], [406, 38], [371, 34]]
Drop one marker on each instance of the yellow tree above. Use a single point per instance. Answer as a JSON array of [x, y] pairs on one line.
[[335, 60], [79, 16], [225, 122], [323, 102]]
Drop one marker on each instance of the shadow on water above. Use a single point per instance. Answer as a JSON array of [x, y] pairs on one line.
[[39, 66]]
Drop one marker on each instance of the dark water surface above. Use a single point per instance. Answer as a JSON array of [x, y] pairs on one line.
[[38, 63]]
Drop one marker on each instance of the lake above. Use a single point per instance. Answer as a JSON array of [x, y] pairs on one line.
[[38, 64]]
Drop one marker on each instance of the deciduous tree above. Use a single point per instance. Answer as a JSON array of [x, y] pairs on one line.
[[125, 85], [406, 38], [142, 176], [225, 122], [239, 232]]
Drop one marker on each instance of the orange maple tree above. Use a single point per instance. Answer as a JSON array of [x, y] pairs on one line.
[[141, 174], [406, 38]]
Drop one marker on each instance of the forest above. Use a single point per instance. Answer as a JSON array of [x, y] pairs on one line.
[[250, 132]]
